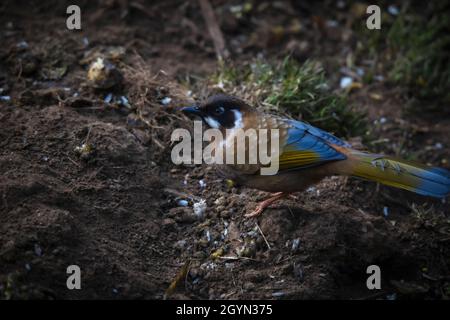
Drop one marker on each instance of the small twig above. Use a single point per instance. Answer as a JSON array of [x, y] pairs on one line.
[[140, 7], [180, 276], [264, 237], [230, 294], [290, 211], [429, 277], [237, 258], [88, 134], [73, 161], [214, 29], [156, 141]]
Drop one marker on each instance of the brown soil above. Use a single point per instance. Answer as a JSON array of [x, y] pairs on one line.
[[114, 210]]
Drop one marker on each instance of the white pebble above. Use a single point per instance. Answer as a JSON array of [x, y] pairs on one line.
[[166, 100], [332, 23], [125, 101], [199, 208], [183, 203], [278, 294], [346, 82], [393, 10], [295, 244], [108, 98], [360, 71], [37, 250], [22, 45]]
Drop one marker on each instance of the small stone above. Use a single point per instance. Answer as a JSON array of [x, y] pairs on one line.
[[393, 10], [166, 101], [102, 74], [37, 250], [167, 222], [200, 208], [182, 215], [298, 271], [180, 245], [386, 211], [278, 294], [249, 286], [345, 82], [22, 45], [108, 98], [219, 201], [391, 296], [183, 203], [295, 245]]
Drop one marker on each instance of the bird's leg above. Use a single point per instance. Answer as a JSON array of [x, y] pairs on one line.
[[264, 204]]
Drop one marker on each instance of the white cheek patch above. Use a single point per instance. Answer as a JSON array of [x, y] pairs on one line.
[[212, 122], [237, 120]]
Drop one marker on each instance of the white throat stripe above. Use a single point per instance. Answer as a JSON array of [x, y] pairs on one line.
[[212, 122], [238, 119]]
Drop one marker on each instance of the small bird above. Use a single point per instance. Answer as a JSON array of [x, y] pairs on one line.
[[308, 154]]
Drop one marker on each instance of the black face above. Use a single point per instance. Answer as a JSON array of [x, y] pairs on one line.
[[220, 111]]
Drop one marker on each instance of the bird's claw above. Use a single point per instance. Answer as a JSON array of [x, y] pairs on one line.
[[255, 212], [266, 203]]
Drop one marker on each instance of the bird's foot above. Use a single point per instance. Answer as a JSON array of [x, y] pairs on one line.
[[266, 203]]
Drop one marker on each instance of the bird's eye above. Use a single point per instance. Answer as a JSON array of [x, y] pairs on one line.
[[219, 110]]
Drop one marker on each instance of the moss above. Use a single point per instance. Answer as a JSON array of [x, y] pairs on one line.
[[298, 90]]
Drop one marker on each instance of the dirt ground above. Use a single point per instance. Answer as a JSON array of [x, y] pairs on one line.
[[113, 207]]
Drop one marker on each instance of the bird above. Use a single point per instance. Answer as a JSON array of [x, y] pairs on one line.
[[308, 154]]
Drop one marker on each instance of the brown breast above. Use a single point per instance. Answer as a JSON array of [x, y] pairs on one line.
[[248, 147]]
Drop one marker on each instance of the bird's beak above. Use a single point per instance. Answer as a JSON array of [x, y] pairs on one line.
[[195, 110]]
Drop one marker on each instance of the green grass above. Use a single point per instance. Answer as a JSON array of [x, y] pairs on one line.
[[414, 51], [421, 48], [298, 90]]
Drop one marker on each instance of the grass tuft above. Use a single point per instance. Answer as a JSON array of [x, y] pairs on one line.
[[421, 48], [414, 52], [297, 90]]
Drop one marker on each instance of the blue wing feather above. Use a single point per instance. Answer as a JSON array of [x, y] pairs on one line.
[[318, 133], [303, 137]]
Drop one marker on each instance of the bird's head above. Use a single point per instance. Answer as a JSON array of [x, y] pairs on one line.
[[222, 112]]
